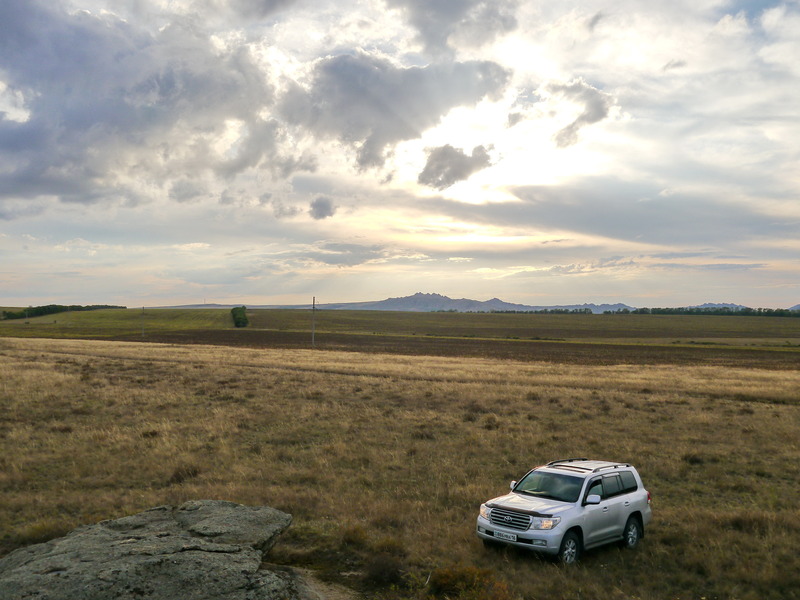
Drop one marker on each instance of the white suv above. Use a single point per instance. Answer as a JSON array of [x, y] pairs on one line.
[[568, 506]]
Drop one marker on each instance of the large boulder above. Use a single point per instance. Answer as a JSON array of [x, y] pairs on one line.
[[204, 549]]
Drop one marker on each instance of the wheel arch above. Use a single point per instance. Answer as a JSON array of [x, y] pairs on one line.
[[638, 516], [579, 531]]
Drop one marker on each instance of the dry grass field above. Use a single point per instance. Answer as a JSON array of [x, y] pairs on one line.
[[383, 459]]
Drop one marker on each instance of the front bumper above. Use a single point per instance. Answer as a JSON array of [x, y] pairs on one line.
[[547, 541]]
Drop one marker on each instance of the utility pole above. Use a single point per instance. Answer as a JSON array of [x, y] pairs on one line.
[[313, 320]]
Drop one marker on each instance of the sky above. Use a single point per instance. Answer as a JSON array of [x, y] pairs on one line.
[[163, 152]]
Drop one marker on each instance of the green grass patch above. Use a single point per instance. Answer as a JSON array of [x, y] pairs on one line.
[[112, 323]]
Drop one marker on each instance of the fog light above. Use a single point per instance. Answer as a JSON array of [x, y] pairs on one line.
[[481, 530], [539, 542]]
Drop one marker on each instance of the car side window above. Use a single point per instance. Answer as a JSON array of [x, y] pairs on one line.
[[612, 485], [628, 482], [596, 487]]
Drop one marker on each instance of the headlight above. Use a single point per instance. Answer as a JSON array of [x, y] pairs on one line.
[[484, 512], [545, 523]]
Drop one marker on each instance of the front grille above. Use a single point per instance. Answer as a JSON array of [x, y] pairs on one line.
[[510, 519]]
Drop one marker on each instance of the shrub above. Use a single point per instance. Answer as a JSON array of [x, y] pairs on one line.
[[239, 314]]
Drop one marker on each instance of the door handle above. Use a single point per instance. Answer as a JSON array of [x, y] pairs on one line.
[[605, 509], [627, 503]]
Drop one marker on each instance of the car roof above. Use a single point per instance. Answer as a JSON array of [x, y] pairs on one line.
[[584, 466]]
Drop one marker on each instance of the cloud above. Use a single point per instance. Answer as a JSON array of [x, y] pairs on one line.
[[370, 103], [596, 105], [469, 23], [282, 211], [344, 254], [593, 22], [612, 208], [108, 100], [186, 190], [322, 208], [222, 120], [259, 9], [447, 165], [674, 64]]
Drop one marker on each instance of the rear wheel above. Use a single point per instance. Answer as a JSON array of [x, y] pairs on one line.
[[632, 533], [570, 550]]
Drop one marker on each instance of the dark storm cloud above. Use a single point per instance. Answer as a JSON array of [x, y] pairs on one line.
[[321, 208], [472, 22], [447, 165], [105, 97], [371, 104], [596, 106]]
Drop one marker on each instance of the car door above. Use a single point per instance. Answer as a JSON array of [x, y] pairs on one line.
[[600, 520], [618, 504]]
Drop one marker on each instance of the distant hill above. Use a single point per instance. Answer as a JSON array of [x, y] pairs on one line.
[[420, 302]]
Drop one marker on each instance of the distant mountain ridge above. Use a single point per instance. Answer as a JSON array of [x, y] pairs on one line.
[[421, 302]]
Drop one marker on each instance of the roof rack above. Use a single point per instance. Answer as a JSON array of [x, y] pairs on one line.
[[614, 466], [565, 460]]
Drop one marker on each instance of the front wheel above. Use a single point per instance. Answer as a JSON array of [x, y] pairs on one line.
[[632, 533], [570, 550]]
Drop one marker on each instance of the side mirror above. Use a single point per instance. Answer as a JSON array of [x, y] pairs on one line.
[[513, 483], [593, 499]]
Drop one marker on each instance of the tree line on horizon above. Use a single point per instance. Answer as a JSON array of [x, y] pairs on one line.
[[697, 310], [716, 310], [52, 309]]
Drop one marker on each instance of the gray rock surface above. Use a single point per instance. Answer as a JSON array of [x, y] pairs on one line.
[[206, 549]]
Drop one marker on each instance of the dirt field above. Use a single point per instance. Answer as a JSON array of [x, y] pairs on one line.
[[594, 353]]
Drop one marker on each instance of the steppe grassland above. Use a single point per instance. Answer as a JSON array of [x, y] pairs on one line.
[[388, 456]]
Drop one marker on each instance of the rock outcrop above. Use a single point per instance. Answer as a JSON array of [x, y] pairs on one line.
[[204, 549]]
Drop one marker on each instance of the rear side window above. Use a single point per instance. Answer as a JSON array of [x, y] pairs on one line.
[[628, 481], [612, 485]]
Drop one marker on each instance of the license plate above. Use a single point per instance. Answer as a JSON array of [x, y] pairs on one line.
[[510, 537]]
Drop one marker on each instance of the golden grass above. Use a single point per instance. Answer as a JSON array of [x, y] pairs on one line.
[[383, 460]]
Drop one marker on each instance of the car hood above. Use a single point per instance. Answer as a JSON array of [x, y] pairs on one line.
[[528, 504]]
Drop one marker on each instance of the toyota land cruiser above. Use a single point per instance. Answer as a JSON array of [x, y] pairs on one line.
[[568, 506]]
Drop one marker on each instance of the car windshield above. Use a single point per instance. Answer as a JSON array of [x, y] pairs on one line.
[[555, 486]]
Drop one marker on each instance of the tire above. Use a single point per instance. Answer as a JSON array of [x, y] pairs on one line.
[[631, 534], [570, 551]]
